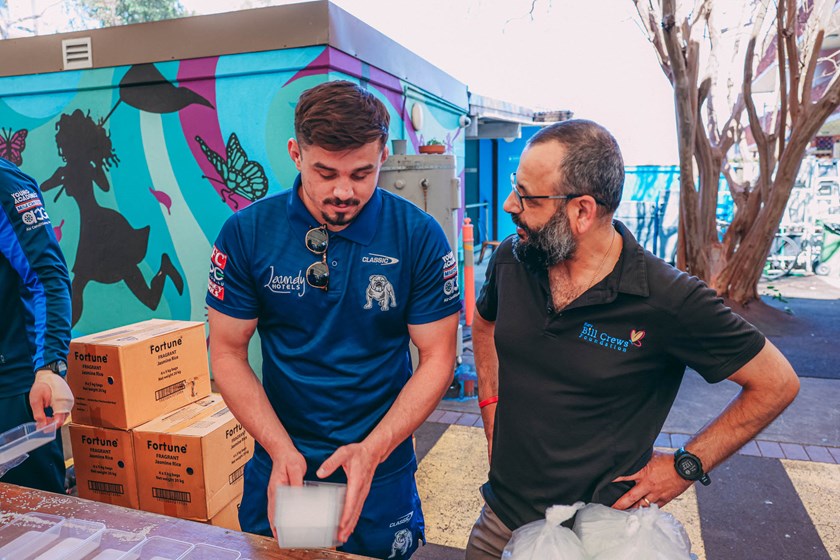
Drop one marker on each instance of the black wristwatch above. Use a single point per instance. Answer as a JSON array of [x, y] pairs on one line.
[[58, 367], [690, 467]]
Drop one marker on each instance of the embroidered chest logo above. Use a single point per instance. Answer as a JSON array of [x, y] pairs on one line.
[[381, 291], [286, 283], [384, 260], [593, 335]]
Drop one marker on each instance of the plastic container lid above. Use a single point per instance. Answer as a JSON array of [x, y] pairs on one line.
[[76, 538], [159, 548], [23, 439], [113, 545], [307, 516], [209, 552]]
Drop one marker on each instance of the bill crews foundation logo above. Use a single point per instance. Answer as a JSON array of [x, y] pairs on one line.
[[595, 336]]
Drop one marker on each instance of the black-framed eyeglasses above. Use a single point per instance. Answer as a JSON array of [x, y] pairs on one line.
[[522, 197], [318, 274]]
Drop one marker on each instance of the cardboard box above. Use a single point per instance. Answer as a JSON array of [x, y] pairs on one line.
[[190, 462], [104, 462], [126, 376], [228, 517]]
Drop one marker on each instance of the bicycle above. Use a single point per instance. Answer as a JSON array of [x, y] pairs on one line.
[[796, 246]]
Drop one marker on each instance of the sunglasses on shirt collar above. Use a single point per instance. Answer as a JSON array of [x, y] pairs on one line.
[[318, 274]]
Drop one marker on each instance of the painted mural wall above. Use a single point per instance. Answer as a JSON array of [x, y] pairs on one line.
[[140, 166]]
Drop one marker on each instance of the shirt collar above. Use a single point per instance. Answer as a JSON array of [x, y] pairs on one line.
[[628, 276], [361, 230], [630, 273]]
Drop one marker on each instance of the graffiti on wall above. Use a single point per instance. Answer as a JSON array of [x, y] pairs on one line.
[[141, 165]]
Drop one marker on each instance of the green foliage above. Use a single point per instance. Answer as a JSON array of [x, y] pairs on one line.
[[124, 12], [434, 142]]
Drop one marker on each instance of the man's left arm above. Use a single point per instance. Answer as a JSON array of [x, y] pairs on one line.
[[768, 385], [436, 343], [27, 241]]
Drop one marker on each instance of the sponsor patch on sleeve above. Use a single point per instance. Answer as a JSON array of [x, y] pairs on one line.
[[216, 290], [30, 209], [216, 281], [218, 258], [450, 277]]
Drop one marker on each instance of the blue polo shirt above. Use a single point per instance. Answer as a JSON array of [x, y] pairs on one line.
[[334, 361]]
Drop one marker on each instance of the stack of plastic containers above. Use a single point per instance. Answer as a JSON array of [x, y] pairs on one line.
[[40, 536]]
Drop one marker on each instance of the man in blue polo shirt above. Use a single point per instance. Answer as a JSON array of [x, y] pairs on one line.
[[581, 341], [337, 276]]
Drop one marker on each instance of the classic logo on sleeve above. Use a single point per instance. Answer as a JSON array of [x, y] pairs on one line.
[[216, 282], [450, 277]]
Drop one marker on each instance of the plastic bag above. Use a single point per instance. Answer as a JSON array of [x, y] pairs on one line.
[[546, 539], [636, 534]]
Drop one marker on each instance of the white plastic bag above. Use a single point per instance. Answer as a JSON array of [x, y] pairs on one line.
[[636, 534], [546, 539]]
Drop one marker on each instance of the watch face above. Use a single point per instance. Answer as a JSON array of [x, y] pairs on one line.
[[57, 366], [688, 468]]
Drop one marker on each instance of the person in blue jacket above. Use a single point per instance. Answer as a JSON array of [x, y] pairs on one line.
[[35, 326], [338, 276]]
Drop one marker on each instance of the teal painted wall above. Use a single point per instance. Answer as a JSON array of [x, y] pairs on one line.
[[141, 165]]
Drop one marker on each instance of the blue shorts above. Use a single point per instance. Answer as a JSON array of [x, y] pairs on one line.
[[391, 524]]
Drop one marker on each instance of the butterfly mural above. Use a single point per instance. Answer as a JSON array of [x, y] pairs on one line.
[[12, 145], [238, 174]]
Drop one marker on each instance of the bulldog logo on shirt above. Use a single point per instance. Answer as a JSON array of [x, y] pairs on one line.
[[380, 291]]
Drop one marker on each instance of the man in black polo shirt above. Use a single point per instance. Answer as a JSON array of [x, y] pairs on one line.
[[581, 341]]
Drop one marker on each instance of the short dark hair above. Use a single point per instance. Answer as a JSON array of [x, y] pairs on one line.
[[592, 163], [340, 115]]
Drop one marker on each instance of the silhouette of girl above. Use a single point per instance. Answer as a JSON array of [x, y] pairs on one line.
[[109, 248]]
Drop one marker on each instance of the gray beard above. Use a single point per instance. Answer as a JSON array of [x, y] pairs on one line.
[[551, 244]]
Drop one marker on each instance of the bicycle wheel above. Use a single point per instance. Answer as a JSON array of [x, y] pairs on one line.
[[781, 258]]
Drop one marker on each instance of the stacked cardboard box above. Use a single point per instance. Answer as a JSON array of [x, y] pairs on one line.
[[139, 389], [190, 462]]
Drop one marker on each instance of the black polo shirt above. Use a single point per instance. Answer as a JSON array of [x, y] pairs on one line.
[[583, 393]]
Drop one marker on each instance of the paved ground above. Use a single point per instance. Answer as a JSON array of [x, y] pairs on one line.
[[778, 498]]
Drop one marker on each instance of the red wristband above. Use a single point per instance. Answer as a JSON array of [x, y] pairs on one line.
[[488, 401]]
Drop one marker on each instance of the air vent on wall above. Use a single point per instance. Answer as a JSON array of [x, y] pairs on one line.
[[77, 53]]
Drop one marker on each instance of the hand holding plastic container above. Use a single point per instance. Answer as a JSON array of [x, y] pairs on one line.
[[307, 516]]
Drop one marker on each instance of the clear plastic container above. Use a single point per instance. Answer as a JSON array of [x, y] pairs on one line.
[[28, 533], [159, 548], [23, 439], [307, 516], [75, 540], [209, 552], [114, 544]]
